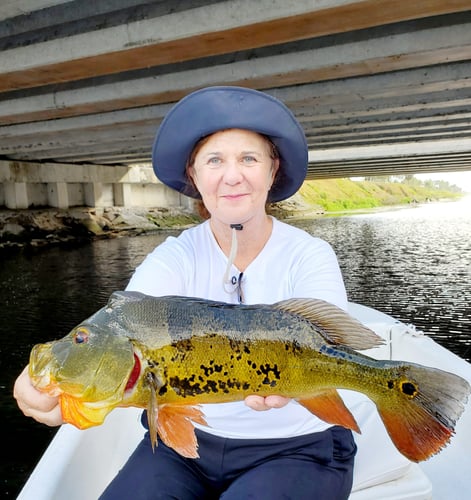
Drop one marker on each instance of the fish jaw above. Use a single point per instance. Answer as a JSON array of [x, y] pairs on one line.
[[89, 385], [41, 370], [85, 414]]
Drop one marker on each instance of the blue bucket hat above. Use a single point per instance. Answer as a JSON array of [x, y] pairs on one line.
[[212, 109]]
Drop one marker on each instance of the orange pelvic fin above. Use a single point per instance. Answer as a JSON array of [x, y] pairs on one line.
[[329, 406], [76, 412], [175, 428]]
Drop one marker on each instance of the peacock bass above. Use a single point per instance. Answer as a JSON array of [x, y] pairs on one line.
[[171, 354]]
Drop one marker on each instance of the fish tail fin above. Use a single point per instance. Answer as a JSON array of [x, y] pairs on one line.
[[176, 429], [421, 409], [329, 406]]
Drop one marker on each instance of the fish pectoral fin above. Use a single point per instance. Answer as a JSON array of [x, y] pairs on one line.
[[329, 406], [333, 323], [81, 414], [176, 429]]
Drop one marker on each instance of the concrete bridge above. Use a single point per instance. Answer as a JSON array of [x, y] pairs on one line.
[[381, 86]]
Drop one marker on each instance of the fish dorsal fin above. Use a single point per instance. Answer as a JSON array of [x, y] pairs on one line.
[[333, 323], [120, 297]]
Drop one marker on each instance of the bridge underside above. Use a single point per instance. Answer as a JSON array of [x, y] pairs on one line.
[[381, 87]]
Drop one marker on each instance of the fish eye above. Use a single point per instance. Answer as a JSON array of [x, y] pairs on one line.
[[81, 336]]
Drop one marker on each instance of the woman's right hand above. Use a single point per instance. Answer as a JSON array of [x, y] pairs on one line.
[[36, 404]]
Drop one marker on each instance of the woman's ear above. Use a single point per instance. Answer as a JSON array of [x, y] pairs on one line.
[[274, 170]]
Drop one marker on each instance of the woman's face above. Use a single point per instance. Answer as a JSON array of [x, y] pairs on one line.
[[233, 171]]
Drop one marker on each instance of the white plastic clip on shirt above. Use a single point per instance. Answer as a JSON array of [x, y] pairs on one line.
[[233, 283]]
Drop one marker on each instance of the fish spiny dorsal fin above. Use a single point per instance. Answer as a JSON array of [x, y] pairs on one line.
[[333, 323], [119, 298]]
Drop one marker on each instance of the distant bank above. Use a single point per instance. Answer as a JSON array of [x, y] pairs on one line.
[[334, 195], [37, 227]]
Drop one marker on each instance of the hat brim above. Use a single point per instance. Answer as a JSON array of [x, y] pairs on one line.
[[219, 108]]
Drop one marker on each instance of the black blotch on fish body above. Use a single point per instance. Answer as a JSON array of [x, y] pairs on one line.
[[185, 387], [266, 369], [409, 389], [211, 386]]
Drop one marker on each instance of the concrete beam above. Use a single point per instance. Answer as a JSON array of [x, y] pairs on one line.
[[383, 54], [392, 150], [13, 8], [232, 26]]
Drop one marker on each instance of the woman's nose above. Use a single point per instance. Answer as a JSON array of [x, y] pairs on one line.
[[233, 172]]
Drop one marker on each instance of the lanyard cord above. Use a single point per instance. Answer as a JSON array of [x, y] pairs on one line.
[[227, 279]]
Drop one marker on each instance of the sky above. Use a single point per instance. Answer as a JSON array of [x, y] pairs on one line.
[[460, 179]]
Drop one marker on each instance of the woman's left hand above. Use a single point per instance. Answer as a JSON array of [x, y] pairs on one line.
[[260, 403]]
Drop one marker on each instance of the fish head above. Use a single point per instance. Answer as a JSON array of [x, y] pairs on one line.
[[88, 370]]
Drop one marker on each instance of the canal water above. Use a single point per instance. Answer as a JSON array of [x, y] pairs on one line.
[[413, 263]]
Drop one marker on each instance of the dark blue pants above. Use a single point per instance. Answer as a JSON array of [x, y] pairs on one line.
[[316, 466]]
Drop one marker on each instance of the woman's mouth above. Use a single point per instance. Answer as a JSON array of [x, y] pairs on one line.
[[233, 196]]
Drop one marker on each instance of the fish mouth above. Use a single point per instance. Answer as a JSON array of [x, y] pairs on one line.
[[40, 371]]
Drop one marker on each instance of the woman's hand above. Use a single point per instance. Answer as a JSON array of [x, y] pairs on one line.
[[260, 403], [35, 404]]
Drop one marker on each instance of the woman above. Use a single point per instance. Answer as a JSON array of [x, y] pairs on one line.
[[235, 149]]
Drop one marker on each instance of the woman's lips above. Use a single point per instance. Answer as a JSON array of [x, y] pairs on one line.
[[233, 196]]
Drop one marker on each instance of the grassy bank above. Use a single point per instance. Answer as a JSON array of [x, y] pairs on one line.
[[333, 195]]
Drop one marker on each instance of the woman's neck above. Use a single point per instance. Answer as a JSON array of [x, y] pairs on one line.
[[250, 239]]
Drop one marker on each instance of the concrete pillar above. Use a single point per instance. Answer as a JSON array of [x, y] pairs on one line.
[[93, 194], [57, 194], [122, 194], [16, 195]]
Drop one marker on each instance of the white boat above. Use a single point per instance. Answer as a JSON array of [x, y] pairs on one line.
[[78, 465]]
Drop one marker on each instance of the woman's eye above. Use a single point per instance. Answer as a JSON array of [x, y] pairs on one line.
[[214, 163], [249, 159]]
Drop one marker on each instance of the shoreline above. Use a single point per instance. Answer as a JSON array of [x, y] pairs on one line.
[[36, 228]]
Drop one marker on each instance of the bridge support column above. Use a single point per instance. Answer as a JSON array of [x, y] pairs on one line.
[[16, 195], [122, 194], [98, 194], [57, 194]]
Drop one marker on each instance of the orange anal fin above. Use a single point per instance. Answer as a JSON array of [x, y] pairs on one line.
[[417, 435], [176, 429], [329, 406]]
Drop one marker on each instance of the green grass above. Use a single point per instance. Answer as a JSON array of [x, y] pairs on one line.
[[334, 195]]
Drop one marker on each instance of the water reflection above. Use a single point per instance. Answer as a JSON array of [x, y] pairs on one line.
[[414, 264]]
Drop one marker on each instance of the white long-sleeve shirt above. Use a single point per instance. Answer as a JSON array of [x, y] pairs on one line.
[[292, 264]]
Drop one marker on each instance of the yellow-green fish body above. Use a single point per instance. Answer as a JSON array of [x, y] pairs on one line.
[[170, 354]]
